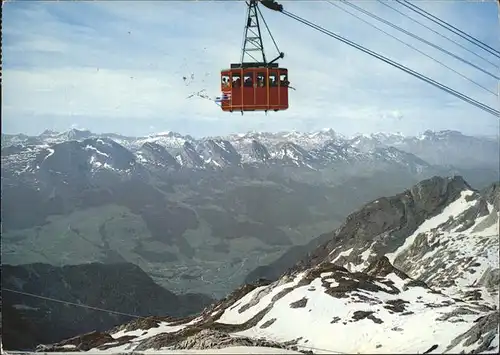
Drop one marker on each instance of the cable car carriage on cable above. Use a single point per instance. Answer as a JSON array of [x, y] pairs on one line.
[[256, 85]]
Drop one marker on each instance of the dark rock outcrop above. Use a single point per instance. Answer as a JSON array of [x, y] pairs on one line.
[[480, 335], [158, 156], [383, 267], [259, 151], [189, 157], [85, 342], [203, 339], [220, 151], [492, 194], [299, 304]]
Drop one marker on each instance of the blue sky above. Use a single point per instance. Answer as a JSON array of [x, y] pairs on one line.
[[113, 66]]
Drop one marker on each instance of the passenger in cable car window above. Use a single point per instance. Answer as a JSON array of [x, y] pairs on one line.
[[236, 83], [260, 81], [248, 82]]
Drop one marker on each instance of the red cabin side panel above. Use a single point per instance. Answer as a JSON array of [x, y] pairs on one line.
[[283, 88], [261, 97], [248, 90], [274, 94], [237, 88]]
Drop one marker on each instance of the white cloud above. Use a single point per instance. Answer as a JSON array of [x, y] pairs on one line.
[[120, 66]]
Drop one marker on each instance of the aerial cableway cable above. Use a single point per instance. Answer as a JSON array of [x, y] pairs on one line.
[[395, 64], [438, 33], [414, 48], [81, 305], [449, 27], [420, 39]]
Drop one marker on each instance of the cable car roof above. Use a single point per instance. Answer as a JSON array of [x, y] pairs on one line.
[[254, 65]]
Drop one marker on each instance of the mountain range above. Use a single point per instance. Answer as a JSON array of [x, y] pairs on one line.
[[296, 148], [203, 214], [415, 272]]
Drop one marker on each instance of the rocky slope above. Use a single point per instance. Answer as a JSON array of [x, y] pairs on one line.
[[441, 231], [53, 313], [413, 273]]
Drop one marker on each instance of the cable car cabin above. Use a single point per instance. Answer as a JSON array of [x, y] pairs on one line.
[[254, 87]]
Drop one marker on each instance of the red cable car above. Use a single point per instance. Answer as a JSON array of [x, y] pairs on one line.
[[257, 85], [254, 88]]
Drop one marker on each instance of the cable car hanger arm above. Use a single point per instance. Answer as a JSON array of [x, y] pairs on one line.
[[282, 55], [272, 5]]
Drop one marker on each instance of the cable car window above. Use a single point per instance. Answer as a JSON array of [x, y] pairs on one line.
[[284, 79], [226, 83], [236, 80], [248, 79], [261, 80], [273, 79]]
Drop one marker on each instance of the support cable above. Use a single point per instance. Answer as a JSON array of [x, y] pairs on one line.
[[449, 27], [420, 39], [268, 30], [443, 87], [438, 33], [414, 48]]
